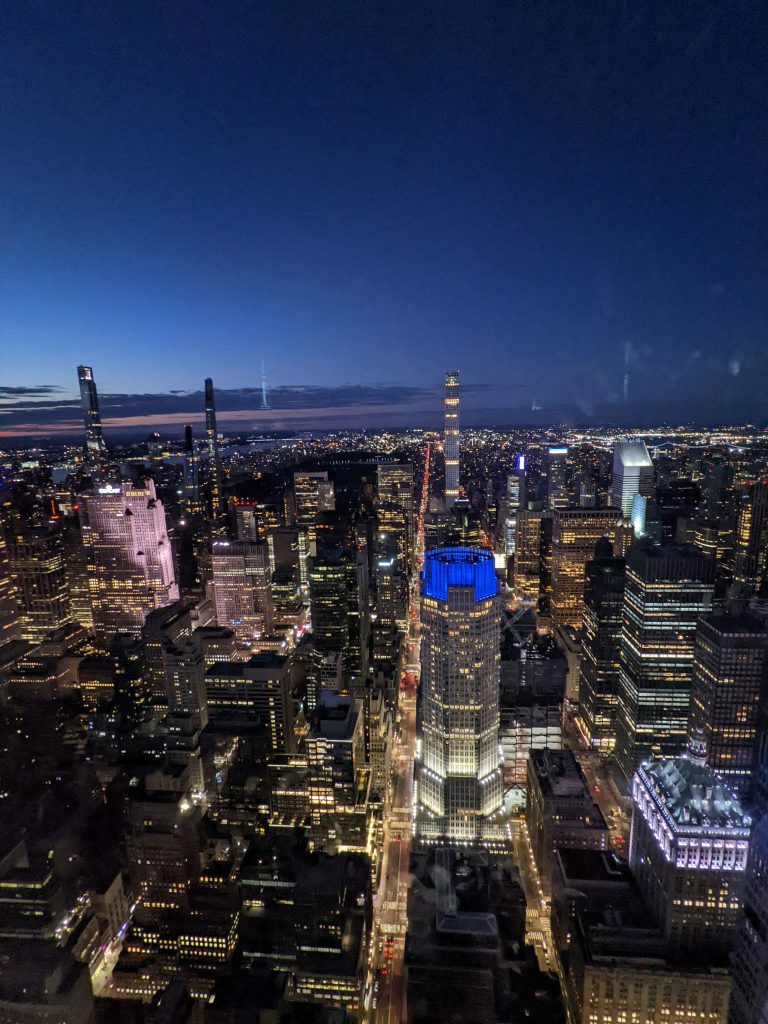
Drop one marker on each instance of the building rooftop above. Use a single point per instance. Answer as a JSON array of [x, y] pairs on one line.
[[459, 567], [633, 454], [692, 794]]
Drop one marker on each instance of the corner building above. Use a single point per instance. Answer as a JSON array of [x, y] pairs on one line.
[[459, 774]]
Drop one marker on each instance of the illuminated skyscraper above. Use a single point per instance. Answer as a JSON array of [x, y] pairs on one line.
[[688, 852], [9, 609], [632, 474], [217, 507], [730, 680], [459, 774], [752, 537], [600, 646], [313, 493], [95, 446], [191, 472], [338, 594], [37, 565], [557, 477], [130, 560], [242, 588], [575, 531], [667, 589], [395, 487], [452, 438], [528, 552], [515, 501], [749, 963]]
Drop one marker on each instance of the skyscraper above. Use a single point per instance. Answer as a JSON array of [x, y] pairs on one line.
[[130, 560], [515, 501], [452, 438], [312, 493], [752, 537], [557, 477], [242, 588], [666, 590], [95, 446], [632, 474], [459, 775], [528, 553], [730, 681], [191, 472], [750, 955], [37, 566], [575, 531], [688, 852], [211, 432], [600, 646], [9, 610], [338, 595], [394, 483]]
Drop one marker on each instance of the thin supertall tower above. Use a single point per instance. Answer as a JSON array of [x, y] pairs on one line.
[[95, 446], [452, 439], [213, 450], [264, 391]]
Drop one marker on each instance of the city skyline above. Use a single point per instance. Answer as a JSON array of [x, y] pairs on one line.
[[419, 187]]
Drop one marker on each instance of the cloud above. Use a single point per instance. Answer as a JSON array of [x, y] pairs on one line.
[[238, 406], [29, 391]]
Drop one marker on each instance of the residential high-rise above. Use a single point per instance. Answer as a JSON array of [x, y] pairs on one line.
[[600, 646], [557, 477], [242, 588], [459, 773], [214, 458], [95, 446], [730, 681], [667, 589], [749, 568], [688, 851], [632, 474], [130, 560], [191, 472], [184, 670], [750, 955], [452, 438], [37, 566], [575, 531]]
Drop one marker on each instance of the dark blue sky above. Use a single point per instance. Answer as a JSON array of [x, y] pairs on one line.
[[368, 193]]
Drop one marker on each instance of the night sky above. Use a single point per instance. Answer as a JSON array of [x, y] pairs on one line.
[[371, 194]]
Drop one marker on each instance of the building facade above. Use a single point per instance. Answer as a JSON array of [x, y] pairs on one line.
[[459, 772], [667, 589], [130, 560], [688, 851]]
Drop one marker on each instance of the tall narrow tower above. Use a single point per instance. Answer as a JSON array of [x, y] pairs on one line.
[[95, 447], [191, 472], [452, 439], [264, 391], [213, 450]]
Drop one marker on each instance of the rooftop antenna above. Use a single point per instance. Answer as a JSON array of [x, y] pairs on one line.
[[626, 371]]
